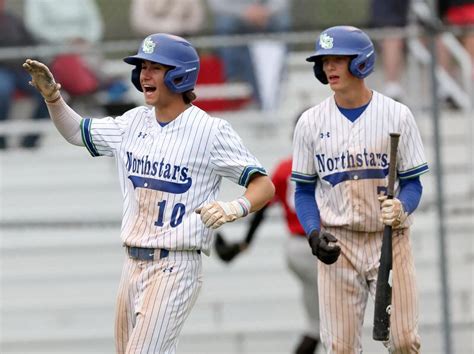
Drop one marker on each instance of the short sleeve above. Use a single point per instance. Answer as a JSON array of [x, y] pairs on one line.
[[303, 168], [411, 160], [103, 136], [231, 159]]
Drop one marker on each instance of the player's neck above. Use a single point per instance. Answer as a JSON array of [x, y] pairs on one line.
[[166, 114], [353, 97]]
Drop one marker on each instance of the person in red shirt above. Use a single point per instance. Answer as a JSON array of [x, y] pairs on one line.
[[299, 258]]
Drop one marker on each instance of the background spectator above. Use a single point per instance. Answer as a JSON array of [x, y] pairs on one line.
[[12, 76], [391, 13], [458, 13], [180, 17], [246, 16], [76, 23]]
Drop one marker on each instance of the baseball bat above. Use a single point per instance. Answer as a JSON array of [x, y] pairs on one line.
[[383, 293]]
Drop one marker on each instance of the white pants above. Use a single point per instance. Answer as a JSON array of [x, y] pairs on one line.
[[344, 287], [154, 299]]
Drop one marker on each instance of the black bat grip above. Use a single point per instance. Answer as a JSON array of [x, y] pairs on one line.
[[392, 168], [383, 294]]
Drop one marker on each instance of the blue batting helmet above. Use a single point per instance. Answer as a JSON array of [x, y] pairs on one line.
[[172, 51], [344, 40]]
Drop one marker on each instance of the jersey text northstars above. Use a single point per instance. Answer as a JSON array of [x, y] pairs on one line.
[[349, 161], [161, 169]]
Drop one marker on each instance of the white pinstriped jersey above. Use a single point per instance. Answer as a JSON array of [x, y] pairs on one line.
[[167, 172], [349, 160]]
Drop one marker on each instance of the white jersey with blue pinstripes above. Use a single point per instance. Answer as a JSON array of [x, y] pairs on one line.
[[167, 172], [349, 160]]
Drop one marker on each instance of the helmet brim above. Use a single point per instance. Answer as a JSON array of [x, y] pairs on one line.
[[139, 58], [319, 54]]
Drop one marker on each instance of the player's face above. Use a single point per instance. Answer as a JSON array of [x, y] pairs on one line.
[[336, 68], [153, 85]]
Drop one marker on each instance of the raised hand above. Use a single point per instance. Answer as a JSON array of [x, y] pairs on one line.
[[42, 79]]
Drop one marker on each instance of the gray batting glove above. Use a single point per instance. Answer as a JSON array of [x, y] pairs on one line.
[[392, 211], [42, 79], [217, 213]]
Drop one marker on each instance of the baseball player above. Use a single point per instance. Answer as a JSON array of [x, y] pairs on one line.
[[340, 166], [171, 158]]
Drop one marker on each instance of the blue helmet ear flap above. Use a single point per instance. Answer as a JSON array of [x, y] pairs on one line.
[[361, 66], [181, 80]]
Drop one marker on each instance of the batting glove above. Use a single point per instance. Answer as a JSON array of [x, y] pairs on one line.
[[323, 247], [392, 211], [217, 213], [42, 79]]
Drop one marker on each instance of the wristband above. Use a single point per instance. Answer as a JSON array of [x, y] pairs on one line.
[[54, 100], [245, 205]]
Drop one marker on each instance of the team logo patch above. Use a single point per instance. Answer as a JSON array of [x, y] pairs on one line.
[[326, 41], [148, 46]]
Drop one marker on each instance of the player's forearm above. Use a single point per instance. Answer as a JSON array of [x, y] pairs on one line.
[[66, 120], [410, 194], [259, 192], [306, 207]]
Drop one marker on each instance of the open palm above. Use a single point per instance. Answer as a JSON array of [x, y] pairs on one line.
[[42, 79]]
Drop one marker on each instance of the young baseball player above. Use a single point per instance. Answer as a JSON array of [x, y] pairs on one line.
[[171, 158], [340, 166]]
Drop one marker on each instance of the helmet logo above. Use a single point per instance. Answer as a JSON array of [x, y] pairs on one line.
[[148, 46], [325, 41]]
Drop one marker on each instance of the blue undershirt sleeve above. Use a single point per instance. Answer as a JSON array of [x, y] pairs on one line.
[[410, 193], [306, 207]]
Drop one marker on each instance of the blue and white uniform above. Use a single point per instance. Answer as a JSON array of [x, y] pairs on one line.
[[165, 173], [348, 162]]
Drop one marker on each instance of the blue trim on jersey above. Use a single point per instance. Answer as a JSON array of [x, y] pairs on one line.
[[339, 177], [160, 185], [299, 177], [353, 113], [87, 138], [248, 172], [307, 207], [416, 171]]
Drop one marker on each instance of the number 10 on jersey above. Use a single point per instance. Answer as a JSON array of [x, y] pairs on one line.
[[177, 214]]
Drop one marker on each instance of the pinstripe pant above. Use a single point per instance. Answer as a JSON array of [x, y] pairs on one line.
[[345, 285], [154, 299]]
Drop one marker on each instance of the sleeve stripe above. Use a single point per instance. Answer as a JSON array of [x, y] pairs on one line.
[[416, 171], [297, 177], [87, 138], [249, 171]]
